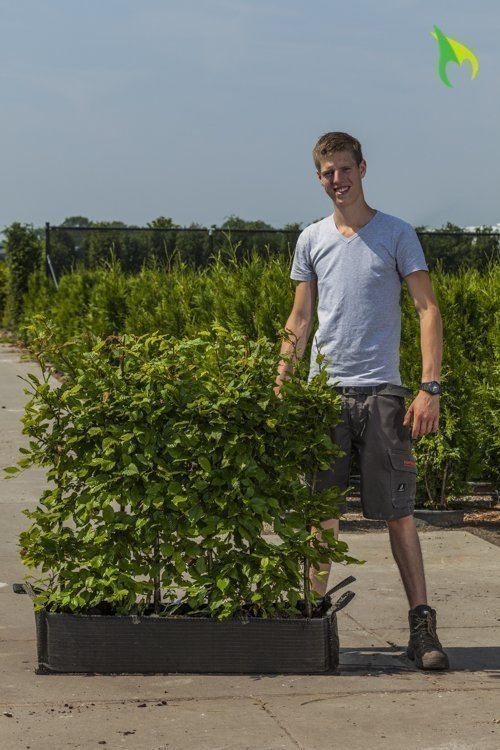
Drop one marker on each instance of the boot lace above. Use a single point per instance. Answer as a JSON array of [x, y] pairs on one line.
[[425, 633]]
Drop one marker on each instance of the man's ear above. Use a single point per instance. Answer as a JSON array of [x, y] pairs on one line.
[[362, 167]]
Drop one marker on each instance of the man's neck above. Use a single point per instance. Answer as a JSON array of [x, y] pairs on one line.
[[353, 217]]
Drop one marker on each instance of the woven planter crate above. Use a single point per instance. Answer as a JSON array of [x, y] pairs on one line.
[[98, 644], [110, 645]]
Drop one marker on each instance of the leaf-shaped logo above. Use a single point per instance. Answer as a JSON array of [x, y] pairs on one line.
[[452, 51]]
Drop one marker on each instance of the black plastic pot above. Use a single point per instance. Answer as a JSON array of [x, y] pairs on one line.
[[77, 643], [447, 517]]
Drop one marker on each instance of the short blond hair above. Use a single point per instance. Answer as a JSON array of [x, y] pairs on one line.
[[333, 142]]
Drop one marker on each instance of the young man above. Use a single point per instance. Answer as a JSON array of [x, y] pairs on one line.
[[354, 263]]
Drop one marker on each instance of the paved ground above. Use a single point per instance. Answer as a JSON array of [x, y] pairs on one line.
[[378, 700]]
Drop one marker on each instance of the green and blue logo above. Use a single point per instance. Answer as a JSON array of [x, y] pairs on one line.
[[452, 51]]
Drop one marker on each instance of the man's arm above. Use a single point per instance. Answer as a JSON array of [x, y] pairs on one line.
[[299, 324], [424, 410]]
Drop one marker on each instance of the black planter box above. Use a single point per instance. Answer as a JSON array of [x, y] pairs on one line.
[[100, 644], [120, 645], [448, 517]]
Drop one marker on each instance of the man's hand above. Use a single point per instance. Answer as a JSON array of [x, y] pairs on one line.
[[424, 410]]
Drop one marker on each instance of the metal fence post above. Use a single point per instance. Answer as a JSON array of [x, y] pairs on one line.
[[47, 254], [47, 238], [52, 272]]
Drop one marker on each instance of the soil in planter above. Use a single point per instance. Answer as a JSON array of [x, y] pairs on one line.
[[183, 609]]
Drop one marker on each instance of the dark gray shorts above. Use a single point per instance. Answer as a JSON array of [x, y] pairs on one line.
[[372, 426]]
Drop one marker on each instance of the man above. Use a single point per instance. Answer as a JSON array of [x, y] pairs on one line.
[[354, 263]]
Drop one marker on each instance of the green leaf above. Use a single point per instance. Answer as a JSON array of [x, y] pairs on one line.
[[108, 513], [130, 470], [179, 500], [205, 463]]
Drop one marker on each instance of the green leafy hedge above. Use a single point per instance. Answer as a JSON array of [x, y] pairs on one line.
[[24, 255], [4, 287], [466, 448], [165, 459], [254, 297]]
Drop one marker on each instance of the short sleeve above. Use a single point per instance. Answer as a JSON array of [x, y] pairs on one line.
[[409, 253], [302, 267]]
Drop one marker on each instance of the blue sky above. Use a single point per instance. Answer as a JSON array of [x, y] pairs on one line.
[[114, 109]]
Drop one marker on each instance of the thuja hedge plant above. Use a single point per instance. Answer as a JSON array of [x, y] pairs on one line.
[[465, 448], [165, 458], [24, 256]]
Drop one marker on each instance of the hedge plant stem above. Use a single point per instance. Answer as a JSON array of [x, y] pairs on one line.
[[307, 580], [428, 489], [442, 500], [156, 576]]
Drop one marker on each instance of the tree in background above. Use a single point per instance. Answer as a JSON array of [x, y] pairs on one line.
[[24, 255], [463, 250], [246, 236]]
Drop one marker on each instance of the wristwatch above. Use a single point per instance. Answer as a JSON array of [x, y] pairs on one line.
[[432, 387]]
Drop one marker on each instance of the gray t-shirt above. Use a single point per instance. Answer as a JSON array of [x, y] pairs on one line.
[[359, 289]]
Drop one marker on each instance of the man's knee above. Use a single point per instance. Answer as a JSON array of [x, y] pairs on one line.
[[400, 523]]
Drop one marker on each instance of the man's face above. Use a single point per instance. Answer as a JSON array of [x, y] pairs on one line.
[[341, 177]]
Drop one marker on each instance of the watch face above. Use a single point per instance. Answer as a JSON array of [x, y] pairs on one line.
[[432, 387]]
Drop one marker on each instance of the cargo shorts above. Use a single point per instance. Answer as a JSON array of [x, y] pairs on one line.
[[372, 426]]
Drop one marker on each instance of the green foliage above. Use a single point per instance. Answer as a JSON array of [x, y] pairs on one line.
[[79, 242], [254, 296], [107, 302], [162, 245], [460, 250], [247, 237], [24, 255], [4, 286], [466, 446], [41, 298], [165, 458], [193, 247]]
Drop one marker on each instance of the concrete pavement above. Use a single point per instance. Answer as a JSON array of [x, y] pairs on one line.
[[378, 699]]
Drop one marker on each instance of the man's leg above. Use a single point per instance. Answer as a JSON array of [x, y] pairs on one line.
[[405, 546], [388, 479], [424, 646], [336, 476], [319, 584]]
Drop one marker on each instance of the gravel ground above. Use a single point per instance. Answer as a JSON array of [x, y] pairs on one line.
[[484, 523]]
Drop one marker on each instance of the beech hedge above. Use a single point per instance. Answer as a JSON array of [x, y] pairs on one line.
[[165, 458]]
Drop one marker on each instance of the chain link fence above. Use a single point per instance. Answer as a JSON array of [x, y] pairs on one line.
[[68, 247]]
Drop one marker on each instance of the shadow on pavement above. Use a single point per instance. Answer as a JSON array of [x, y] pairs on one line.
[[475, 658], [373, 661]]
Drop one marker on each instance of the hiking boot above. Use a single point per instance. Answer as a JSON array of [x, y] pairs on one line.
[[424, 647]]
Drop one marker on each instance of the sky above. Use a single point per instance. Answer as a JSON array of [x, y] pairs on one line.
[[202, 109]]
